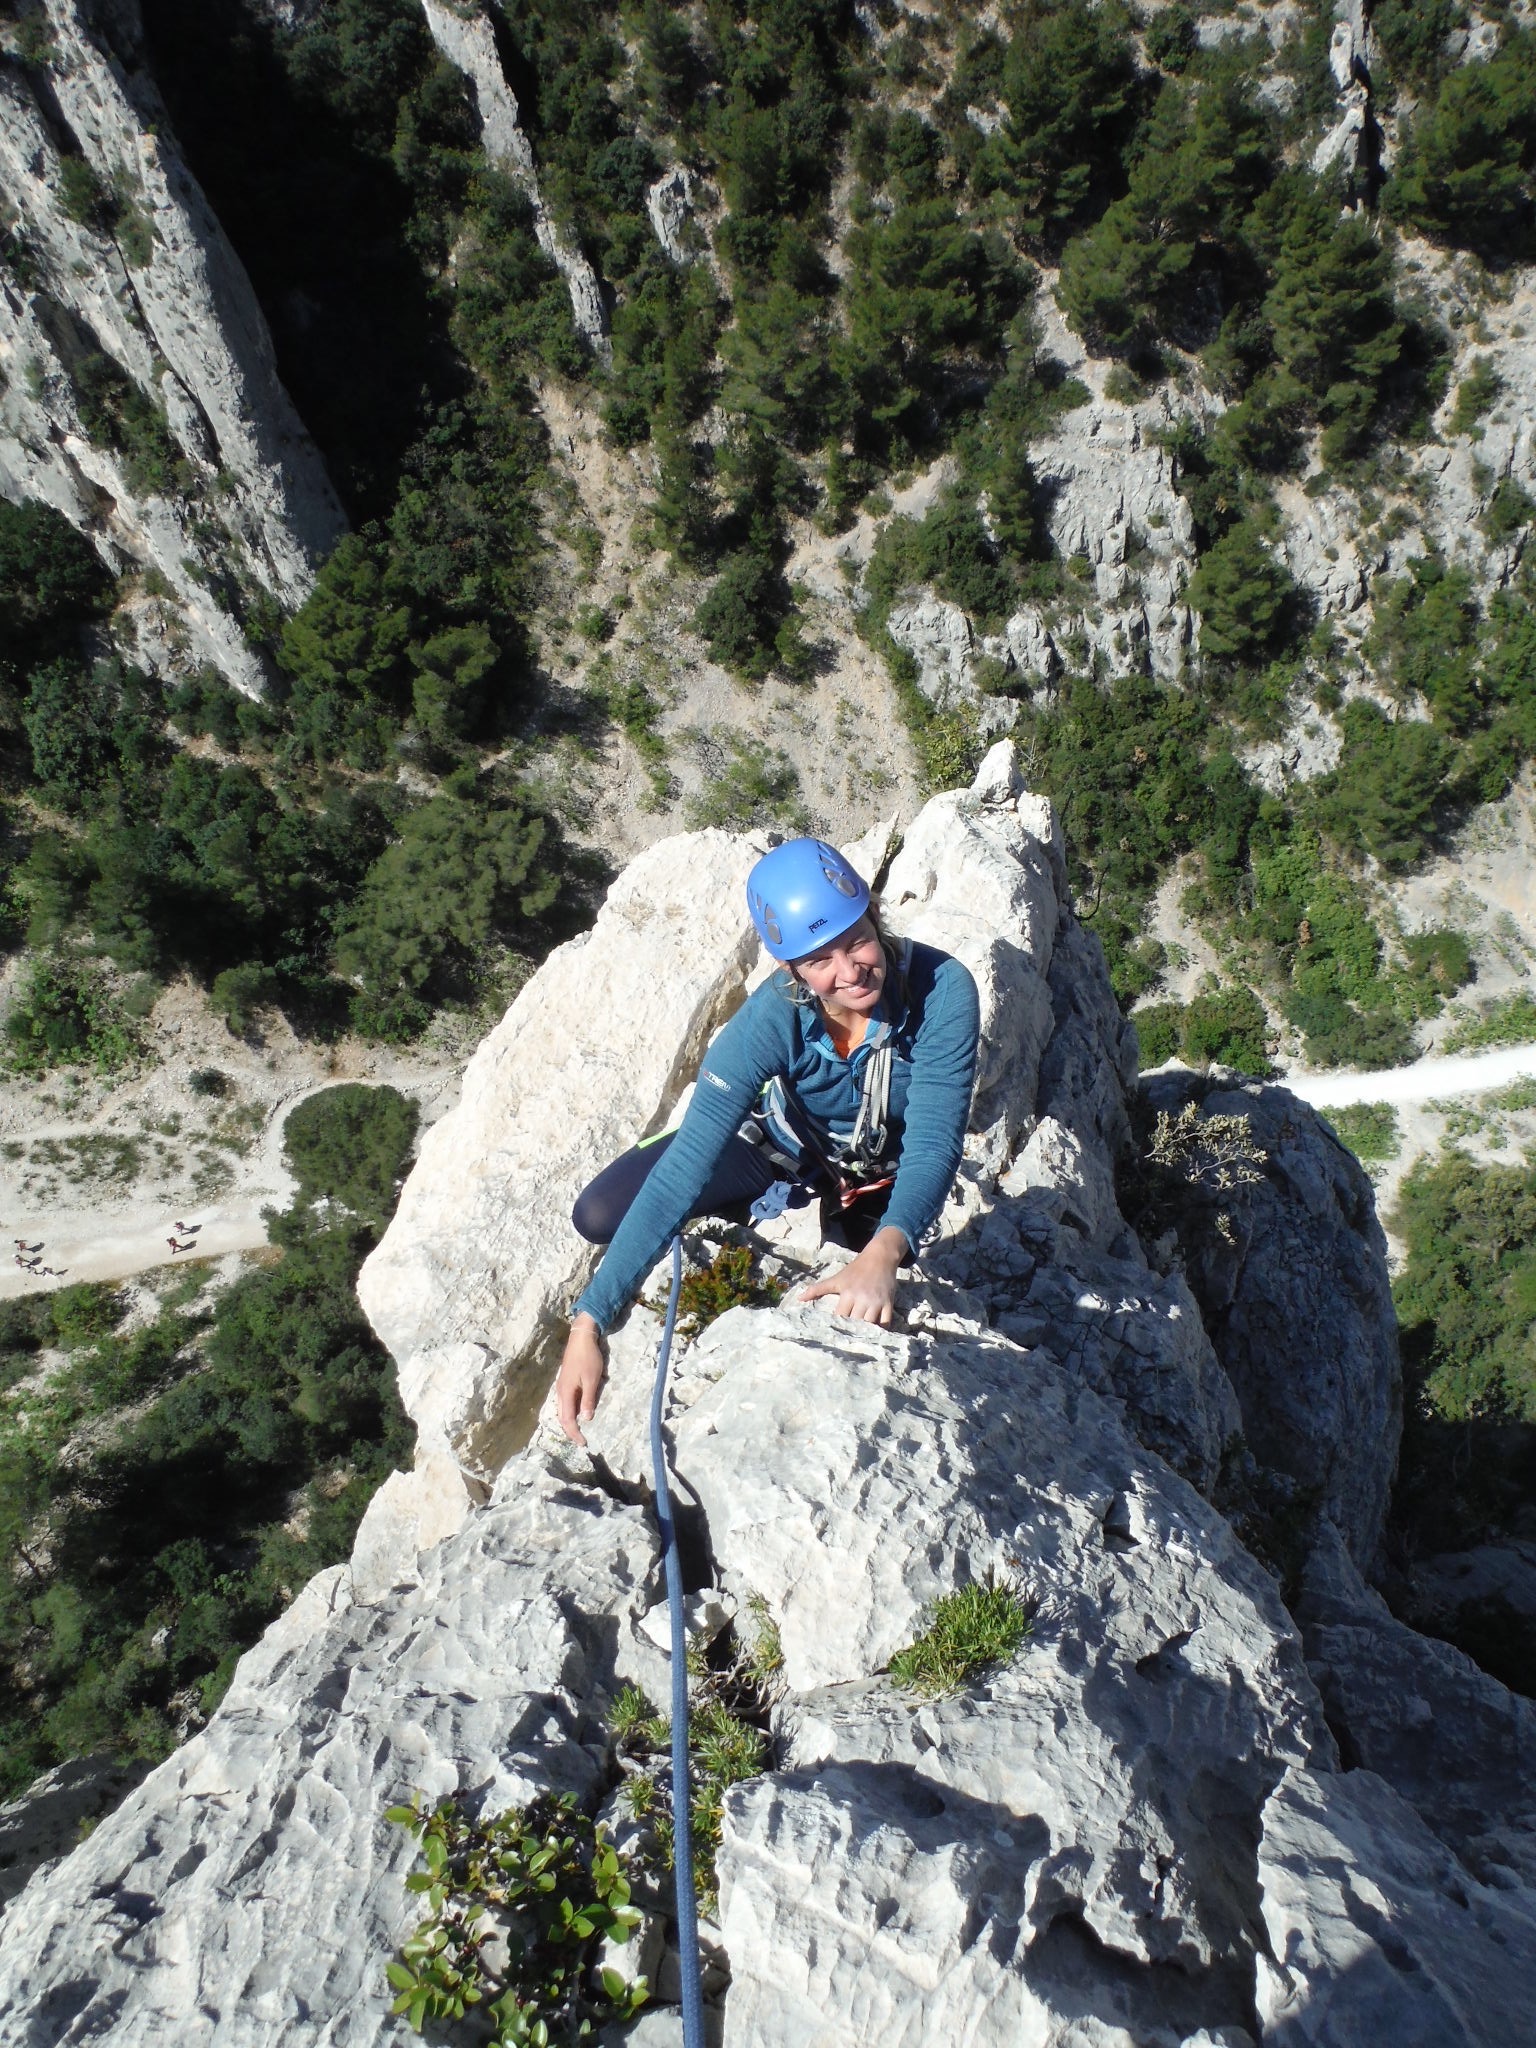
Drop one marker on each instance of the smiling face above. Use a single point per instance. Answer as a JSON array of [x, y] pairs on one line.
[[847, 974]]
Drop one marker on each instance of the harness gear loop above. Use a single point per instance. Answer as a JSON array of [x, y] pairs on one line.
[[682, 1820]]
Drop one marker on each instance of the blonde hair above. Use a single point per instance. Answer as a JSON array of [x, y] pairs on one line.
[[794, 990]]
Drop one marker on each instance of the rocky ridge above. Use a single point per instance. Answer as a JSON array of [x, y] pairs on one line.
[[467, 38], [166, 304], [1142, 1831]]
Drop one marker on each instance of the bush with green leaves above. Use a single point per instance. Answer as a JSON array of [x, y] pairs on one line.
[[1509, 1021], [1227, 1027], [1369, 1129], [518, 1905], [66, 1014], [730, 1689], [757, 785], [50, 584], [1467, 1296], [1248, 603], [1466, 164], [457, 878], [351, 1145]]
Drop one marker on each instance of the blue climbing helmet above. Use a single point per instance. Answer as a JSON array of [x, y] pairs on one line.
[[801, 894]]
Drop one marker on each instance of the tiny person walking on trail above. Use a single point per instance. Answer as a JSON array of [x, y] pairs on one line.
[[847, 1073]]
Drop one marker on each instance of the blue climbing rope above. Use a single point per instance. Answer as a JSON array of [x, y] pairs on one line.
[[682, 1825]]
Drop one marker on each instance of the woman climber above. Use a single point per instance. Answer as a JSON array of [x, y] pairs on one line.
[[848, 1072]]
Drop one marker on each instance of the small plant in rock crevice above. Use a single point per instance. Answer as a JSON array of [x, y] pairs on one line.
[[1185, 1156], [730, 1280], [518, 1906], [968, 1630], [726, 1744]]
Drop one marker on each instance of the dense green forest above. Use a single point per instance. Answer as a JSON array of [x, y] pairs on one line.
[[872, 303], [170, 1484]]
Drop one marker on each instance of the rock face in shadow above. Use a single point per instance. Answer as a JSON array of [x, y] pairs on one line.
[[1171, 1819], [1297, 1301], [153, 308]]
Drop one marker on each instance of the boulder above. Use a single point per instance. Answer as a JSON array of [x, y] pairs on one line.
[[1295, 1293], [471, 1283], [669, 206]]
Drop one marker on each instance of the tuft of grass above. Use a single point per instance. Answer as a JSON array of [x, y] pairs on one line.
[[967, 1630], [765, 1656]]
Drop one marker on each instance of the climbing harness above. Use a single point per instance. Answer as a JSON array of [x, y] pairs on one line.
[[682, 1824]]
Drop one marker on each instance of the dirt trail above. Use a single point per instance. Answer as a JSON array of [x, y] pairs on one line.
[[1426, 1080]]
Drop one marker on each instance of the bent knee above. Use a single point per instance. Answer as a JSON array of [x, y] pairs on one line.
[[594, 1216]]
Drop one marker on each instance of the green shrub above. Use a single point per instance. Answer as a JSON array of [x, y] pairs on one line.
[[459, 877], [65, 1014], [1510, 1021], [1247, 601], [1438, 962], [1159, 1032], [1339, 1034], [757, 786], [1382, 798], [85, 1313], [560, 1883], [1475, 395], [351, 1144], [1467, 1295], [50, 583], [1229, 1028], [1369, 1129], [1464, 174], [730, 1280], [238, 994]]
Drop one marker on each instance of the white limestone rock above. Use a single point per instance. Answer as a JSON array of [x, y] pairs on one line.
[[1113, 505], [669, 206], [183, 326], [471, 1284], [466, 38], [986, 882], [940, 1845]]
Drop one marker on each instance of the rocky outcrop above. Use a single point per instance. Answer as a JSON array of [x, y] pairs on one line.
[[1420, 1714], [143, 308], [467, 38], [670, 208], [1137, 1831], [1111, 507], [1293, 1289]]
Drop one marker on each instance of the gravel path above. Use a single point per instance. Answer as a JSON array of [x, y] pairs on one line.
[[1427, 1080], [113, 1242]]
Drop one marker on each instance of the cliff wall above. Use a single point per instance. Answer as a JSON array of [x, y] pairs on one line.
[[139, 394]]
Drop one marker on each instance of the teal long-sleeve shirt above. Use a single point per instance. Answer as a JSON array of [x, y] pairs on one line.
[[933, 1033]]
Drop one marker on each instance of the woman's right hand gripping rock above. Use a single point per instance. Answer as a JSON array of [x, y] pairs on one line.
[[580, 1378]]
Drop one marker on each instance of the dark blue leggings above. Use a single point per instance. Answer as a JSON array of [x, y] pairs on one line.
[[742, 1173]]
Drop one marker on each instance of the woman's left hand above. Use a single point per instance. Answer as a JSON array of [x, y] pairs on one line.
[[866, 1287]]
